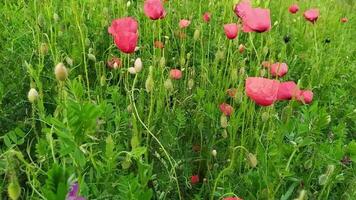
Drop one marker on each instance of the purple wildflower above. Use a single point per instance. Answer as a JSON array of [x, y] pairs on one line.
[[73, 193]]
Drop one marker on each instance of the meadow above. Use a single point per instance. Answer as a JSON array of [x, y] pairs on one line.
[[178, 99]]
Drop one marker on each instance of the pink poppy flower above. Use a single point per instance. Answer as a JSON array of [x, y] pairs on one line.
[[154, 9], [242, 7], [125, 34], [194, 179], [263, 91], [175, 74], [257, 20], [226, 109], [344, 20], [184, 23], [278, 69], [232, 198], [207, 17], [287, 90], [305, 96], [231, 30], [311, 15], [126, 41], [293, 8]]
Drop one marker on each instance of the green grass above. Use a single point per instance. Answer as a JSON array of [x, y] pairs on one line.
[[102, 128]]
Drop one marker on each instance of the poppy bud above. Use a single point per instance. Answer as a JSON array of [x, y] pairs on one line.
[[344, 20], [41, 20], [43, 48], [131, 70], [330, 170], [91, 57], [219, 55], [223, 121], [138, 65], [61, 72], [182, 61], [190, 84], [224, 134], [323, 179], [265, 116], [214, 153], [56, 17], [162, 62], [149, 84], [126, 163], [241, 48], [242, 71], [168, 85], [14, 190], [128, 4], [194, 179], [102, 81], [87, 43], [302, 195], [226, 109], [196, 34], [69, 61], [129, 108], [252, 160], [32, 95], [308, 164], [262, 72]]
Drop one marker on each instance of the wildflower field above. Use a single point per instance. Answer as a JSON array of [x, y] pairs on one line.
[[178, 99]]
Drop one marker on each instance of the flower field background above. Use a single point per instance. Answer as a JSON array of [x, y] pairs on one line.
[[187, 99]]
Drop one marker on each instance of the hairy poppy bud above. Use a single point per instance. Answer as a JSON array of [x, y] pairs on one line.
[[168, 85], [223, 121], [242, 71], [149, 84], [190, 84], [323, 179], [138, 65], [162, 62], [224, 134], [56, 17], [214, 152], [252, 160], [131, 70], [32, 95], [61, 72], [128, 4], [14, 190], [102, 81], [265, 116], [43, 48], [69, 61], [196, 34]]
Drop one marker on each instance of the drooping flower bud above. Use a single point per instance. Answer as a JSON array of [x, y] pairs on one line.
[[224, 134], [223, 121], [69, 61], [43, 48], [102, 81], [14, 190], [32, 95], [190, 84], [61, 72], [168, 85], [196, 34], [131, 70], [214, 153], [91, 57], [252, 160], [162, 62], [149, 84], [56, 17]]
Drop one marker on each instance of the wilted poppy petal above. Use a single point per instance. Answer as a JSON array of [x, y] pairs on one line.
[[261, 90], [231, 30], [184, 23], [305, 96], [311, 15], [278, 69]]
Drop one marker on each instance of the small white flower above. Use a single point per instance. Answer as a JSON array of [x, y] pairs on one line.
[[138, 65], [214, 152], [32, 95]]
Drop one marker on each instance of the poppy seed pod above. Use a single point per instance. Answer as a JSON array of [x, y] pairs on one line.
[[14, 190], [32, 95], [138, 65], [61, 72], [252, 160]]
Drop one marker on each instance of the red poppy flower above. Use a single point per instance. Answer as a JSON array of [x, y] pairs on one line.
[[231, 30], [311, 15], [158, 44], [226, 109], [125, 34], [242, 7], [207, 17], [344, 20], [114, 63], [194, 179], [293, 8], [232, 198], [175, 74], [184, 23], [287, 90], [305, 96], [278, 69], [263, 91], [154, 9]]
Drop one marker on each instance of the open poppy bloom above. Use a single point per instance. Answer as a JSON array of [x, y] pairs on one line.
[[232, 198], [124, 31], [311, 15], [253, 19], [184, 23], [226, 109], [231, 30], [287, 90], [207, 17], [344, 20], [175, 74], [263, 91], [73, 193], [305, 96], [154, 9], [293, 8], [278, 69], [194, 179]]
